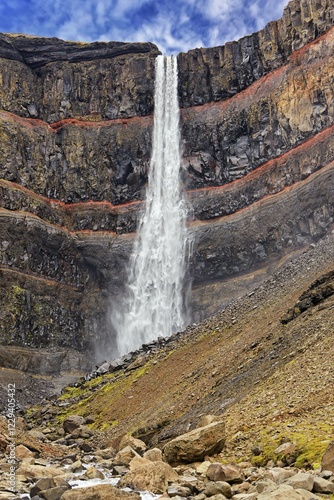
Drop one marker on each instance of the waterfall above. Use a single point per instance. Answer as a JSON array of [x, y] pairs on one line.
[[153, 305]]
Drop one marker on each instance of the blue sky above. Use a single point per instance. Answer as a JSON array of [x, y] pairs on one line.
[[174, 25]]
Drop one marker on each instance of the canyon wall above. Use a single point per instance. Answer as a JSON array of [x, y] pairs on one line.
[[76, 119]]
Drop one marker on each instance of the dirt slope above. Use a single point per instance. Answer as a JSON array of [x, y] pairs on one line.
[[265, 362]]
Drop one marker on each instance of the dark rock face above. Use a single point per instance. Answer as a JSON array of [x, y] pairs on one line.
[[75, 141]]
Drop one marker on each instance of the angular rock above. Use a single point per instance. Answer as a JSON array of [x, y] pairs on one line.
[[138, 462], [306, 495], [22, 451], [245, 496], [94, 473], [125, 455], [327, 462], [279, 474], [217, 487], [72, 422], [154, 455], [153, 477], [38, 471], [283, 492], [322, 485], [100, 492], [285, 449], [136, 444], [53, 493], [301, 480], [230, 473], [194, 445]]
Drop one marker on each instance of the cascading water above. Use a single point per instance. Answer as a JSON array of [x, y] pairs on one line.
[[154, 302]]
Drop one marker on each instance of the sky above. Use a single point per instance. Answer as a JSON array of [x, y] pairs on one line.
[[173, 25]]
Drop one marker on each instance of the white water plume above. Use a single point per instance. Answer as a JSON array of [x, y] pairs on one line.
[[154, 304]]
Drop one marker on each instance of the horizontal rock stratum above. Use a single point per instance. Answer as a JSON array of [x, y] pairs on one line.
[[75, 139]]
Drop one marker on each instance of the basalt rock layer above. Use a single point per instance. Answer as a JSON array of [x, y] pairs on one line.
[[76, 120]]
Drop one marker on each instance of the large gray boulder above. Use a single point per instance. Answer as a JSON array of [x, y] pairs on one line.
[[196, 444]]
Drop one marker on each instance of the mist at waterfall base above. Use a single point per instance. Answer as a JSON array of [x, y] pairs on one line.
[[154, 301]]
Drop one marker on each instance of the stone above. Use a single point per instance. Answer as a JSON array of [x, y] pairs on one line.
[[136, 444], [22, 451], [306, 495], [36, 434], [72, 422], [245, 496], [38, 471], [203, 467], [54, 493], [154, 455], [283, 492], [327, 461], [77, 466], [285, 449], [94, 473], [322, 485], [265, 485], [106, 453], [279, 474], [301, 480], [125, 455], [100, 492], [138, 462], [195, 445], [216, 487], [231, 473], [153, 477]]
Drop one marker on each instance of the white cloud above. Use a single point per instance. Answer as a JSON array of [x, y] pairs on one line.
[[174, 25]]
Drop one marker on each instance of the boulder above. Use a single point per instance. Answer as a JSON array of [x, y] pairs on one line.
[[301, 480], [22, 451], [138, 462], [279, 474], [218, 487], [321, 485], [306, 495], [136, 444], [153, 477], [283, 492], [94, 473], [230, 473], [196, 444], [154, 455], [327, 462], [38, 471], [125, 455], [99, 492], [72, 422]]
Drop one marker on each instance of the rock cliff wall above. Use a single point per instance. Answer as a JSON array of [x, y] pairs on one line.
[[75, 140]]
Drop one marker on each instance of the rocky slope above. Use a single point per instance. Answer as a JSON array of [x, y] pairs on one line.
[[262, 366], [75, 128]]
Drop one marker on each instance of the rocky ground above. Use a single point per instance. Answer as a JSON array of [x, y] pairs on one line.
[[263, 366]]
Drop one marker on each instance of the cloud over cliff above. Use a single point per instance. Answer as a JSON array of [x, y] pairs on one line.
[[174, 26]]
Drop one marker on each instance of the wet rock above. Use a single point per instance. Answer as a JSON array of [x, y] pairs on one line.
[[94, 473]]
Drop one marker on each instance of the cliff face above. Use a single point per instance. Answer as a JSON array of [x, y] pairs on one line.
[[75, 140]]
